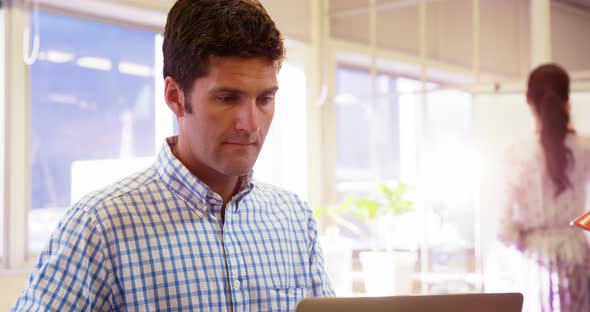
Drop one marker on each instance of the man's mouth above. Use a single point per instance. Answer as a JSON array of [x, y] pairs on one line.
[[240, 143]]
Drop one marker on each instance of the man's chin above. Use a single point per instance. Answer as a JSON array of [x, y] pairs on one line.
[[235, 170]]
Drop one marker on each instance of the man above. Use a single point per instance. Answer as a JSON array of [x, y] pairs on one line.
[[195, 231]]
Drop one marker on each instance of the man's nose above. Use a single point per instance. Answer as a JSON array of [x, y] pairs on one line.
[[247, 119]]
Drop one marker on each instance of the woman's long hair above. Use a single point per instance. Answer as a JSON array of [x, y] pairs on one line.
[[548, 92]]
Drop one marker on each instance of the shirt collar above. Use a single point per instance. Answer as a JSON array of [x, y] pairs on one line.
[[183, 183]]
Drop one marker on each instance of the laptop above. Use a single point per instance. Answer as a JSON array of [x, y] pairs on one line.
[[492, 302]]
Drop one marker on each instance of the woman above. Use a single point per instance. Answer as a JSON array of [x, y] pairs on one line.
[[546, 189]]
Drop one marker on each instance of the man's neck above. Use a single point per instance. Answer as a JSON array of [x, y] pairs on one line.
[[224, 186]]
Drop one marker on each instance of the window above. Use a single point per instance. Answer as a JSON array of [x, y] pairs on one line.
[[92, 113], [450, 182], [367, 138], [424, 142], [375, 143]]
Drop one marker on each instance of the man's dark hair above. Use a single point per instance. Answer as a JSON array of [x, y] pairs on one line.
[[197, 29]]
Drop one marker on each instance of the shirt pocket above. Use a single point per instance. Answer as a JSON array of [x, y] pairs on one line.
[[284, 299]]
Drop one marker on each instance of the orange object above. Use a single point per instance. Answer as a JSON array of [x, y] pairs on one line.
[[582, 221]]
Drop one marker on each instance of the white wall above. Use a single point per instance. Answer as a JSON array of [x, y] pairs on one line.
[[571, 38]]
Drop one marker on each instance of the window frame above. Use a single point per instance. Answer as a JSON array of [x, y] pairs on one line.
[[15, 149], [15, 139], [3, 214]]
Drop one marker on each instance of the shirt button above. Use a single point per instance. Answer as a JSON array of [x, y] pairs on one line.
[[200, 206], [237, 284]]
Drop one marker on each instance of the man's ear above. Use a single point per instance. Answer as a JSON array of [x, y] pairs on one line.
[[528, 100], [174, 96]]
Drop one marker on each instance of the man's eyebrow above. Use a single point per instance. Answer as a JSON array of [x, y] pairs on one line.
[[273, 89], [227, 90]]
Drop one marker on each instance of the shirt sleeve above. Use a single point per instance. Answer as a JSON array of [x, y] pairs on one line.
[[320, 282], [72, 271]]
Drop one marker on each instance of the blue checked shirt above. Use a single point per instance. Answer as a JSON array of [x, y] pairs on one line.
[[155, 242]]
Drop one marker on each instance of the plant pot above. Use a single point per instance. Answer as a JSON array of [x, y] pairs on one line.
[[388, 273]]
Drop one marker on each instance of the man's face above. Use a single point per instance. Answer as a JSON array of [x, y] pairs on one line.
[[232, 109]]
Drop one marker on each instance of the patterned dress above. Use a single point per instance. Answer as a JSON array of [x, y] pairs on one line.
[[555, 257]]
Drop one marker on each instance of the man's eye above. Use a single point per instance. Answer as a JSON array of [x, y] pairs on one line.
[[266, 99], [226, 99]]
